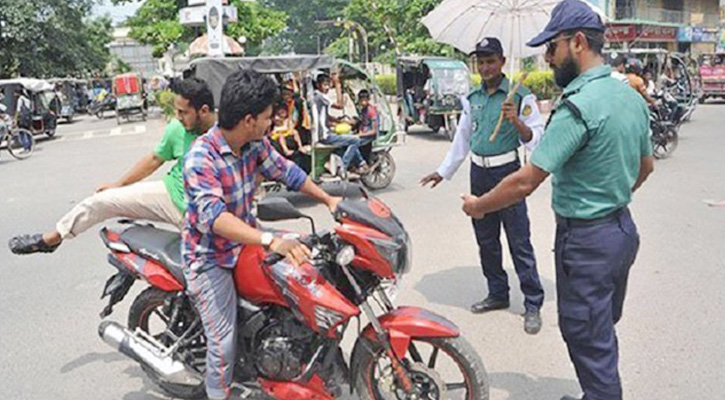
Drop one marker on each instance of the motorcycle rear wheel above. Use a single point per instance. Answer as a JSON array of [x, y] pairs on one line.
[[150, 302], [423, 371]]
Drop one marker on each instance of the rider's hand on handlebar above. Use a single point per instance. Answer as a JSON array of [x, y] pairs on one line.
[[295, 252], [435, 178], [107, 186], [333, 202]]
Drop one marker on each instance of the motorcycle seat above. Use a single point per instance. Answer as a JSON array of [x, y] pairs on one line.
[[157, 244]]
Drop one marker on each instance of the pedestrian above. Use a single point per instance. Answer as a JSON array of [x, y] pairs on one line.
[[598, 149], [158, 200], [491, 162]]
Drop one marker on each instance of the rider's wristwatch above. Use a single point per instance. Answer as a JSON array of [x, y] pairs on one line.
[[267, 239]]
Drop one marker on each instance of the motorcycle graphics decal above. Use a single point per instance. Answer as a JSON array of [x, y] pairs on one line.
[[379, 209]]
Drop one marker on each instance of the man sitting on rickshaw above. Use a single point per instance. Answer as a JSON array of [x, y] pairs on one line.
[[321, 106]]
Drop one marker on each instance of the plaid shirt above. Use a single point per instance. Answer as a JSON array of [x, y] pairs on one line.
[[215, 181]]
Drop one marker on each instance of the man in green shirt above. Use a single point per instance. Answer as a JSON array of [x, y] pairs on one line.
[[161, 201], [597, 146]]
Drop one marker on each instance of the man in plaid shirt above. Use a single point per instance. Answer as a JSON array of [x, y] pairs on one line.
[[220, 179]]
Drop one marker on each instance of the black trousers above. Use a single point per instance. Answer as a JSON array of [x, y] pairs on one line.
[[515, 221], [592, 267]]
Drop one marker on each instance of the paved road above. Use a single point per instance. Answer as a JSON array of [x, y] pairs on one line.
[[671, 335]]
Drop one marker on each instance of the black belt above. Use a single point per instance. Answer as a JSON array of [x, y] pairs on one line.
[[578, 222]]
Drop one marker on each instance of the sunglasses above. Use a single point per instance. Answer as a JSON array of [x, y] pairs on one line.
[[552, 44]]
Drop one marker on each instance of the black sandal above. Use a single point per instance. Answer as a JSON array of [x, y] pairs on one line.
[[29, 244]]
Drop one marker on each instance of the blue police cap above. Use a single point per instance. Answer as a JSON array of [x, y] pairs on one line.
[[489, 45], [568, 15]]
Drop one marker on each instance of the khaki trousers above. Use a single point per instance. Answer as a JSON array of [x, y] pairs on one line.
[[145, 200]]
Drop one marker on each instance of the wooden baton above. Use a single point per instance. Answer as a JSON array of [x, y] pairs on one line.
[[510, 97]]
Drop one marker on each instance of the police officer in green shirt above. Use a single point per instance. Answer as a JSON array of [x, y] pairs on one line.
[[597, 146], [491, 161]]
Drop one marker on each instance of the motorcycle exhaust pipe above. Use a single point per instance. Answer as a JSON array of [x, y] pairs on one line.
[[148, 354]]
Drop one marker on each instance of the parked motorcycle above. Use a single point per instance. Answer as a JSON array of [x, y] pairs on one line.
[[292, 319]]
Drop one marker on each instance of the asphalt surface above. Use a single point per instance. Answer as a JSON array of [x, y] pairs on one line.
[[670, 337]]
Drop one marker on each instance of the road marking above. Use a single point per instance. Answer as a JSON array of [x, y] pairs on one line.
[[115, 131], [88, 135], [140, 129]]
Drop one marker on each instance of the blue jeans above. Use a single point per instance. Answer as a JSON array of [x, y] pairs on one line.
[[352, 143], [515, 221], [592, 267]]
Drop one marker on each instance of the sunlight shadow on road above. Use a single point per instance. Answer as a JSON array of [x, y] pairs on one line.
[[462, 286], [527, 387], [92, 358]]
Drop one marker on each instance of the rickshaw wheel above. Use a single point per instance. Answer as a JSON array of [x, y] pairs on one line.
[[382, 171], [118, 119]]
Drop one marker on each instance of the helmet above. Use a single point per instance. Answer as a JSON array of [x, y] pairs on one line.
[[635, 66]]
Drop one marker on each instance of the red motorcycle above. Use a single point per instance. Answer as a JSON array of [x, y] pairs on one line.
[[292, 319]]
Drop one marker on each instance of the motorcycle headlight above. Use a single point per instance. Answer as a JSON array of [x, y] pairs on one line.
[[345, 256]]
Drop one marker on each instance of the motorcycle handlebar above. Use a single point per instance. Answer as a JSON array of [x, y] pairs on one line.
[[274, 258]]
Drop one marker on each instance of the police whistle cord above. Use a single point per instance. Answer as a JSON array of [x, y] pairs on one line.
[[510, 97]]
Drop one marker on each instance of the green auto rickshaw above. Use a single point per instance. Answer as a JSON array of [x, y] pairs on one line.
[[300, 71], [429, 90]]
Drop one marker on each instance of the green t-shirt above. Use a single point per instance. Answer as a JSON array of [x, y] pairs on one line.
[[174, 146], [595, 169], [485, 112]]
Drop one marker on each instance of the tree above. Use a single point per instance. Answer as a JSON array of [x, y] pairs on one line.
[[397, 18], [156, 23], [46, 38], [303, 35]]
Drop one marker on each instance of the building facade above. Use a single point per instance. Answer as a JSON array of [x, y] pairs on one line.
[[138, 56], [687, 26]]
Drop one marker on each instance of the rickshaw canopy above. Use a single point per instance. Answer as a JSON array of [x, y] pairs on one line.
[[30, 84]]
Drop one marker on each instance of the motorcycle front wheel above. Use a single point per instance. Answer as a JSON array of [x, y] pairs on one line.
[[665, 142], [439, 368], [152, 312], [21, 144]]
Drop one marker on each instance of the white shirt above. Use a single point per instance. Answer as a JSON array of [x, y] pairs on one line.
[[461, 146], [620, 76]]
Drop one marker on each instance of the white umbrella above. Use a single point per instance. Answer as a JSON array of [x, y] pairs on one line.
[[463, 23]]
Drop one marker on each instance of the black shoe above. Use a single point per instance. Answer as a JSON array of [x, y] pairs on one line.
[[489, 304], [532, 322], [29, 244]]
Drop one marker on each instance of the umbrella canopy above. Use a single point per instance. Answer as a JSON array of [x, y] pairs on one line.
[[463, 23]]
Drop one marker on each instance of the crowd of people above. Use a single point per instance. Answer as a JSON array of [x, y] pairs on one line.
[[595, 144]]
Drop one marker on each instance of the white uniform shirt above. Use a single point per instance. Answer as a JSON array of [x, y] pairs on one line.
[[462, 141]]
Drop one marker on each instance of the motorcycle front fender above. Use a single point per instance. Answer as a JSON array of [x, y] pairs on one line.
[[406, 323]]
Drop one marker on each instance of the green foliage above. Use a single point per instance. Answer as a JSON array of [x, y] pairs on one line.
[[303, 35], [256, 23], [165, 100], [402, 20], [541, 83], [46, 38], [387, 83]]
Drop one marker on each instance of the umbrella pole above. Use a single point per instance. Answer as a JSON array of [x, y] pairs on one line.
[[511, 93]]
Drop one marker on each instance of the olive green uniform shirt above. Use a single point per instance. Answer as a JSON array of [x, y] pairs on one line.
[[595, 156]]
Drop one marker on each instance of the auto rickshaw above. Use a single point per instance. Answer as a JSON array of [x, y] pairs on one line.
[[130, 99], [69, 95], [662, 63], [304, 67], [429, 91], [712, 74], [41, 118]]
